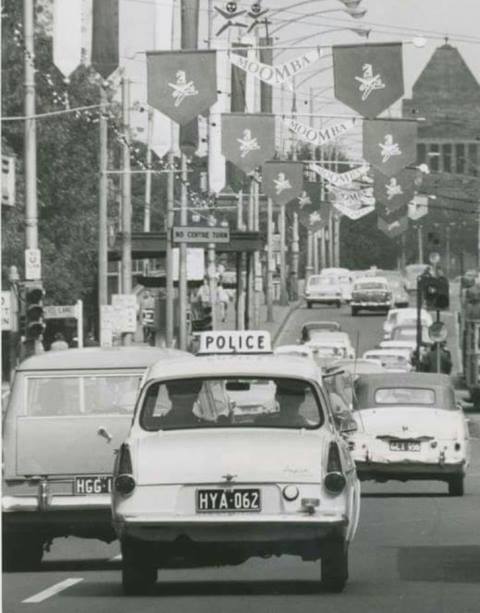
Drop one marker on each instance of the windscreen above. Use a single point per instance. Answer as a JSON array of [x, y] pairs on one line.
[[231, 402], [82, 395], [405, 395]]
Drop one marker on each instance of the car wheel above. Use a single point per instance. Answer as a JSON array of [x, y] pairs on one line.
[[309, 305], [21, 552], [339, 304], [335, 566], [139, 572], [354, 311], [455, 486]]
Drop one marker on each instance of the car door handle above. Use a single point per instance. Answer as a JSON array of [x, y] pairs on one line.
[[104, 433]]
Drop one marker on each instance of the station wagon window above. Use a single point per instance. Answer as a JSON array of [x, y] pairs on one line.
[[405, 395], [82, 395], [230, 402]]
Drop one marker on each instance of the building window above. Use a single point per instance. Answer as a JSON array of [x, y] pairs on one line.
[[434, 157], [460, 159], [447, 157], [421, 153], [473, 159]]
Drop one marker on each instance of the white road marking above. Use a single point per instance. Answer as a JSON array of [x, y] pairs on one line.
[[51, 591]]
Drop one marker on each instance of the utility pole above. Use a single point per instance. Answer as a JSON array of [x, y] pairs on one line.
[[269, 287], [295, 246], [148, 176], [336, 223], [182, 272], [420, 243], [169, 217], [323, 254], [126, 200], [102, 207], [283, 247], [240, 298], [447, 251], [31, 209]]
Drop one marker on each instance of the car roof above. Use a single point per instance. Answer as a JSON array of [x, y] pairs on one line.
[[320, 324], [336, 335], [92, 358], [265, 365]]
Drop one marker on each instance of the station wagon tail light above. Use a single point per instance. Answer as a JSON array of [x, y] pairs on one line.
[[125, 483], [334, 479]]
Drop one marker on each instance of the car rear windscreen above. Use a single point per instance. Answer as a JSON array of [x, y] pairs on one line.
[[405, 395]]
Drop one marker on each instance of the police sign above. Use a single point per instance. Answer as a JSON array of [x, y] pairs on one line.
[[235, 342]]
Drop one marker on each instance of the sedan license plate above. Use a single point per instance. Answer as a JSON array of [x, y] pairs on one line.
[[404, 446], [92, 485], [223, 500]]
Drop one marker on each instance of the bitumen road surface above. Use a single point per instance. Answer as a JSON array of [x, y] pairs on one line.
[[416, 551]]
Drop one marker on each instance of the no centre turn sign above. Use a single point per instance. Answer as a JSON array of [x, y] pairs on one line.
[[196, 234]]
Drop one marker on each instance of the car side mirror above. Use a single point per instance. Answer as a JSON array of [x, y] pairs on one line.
[[348, 426]]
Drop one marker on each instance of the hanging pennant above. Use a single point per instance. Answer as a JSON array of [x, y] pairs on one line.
[[67, 35], [310, 195], [276, 75], [368, 78], [318, 137], [353, 213], [418, 208], [181, 84], [314, 217], [339, 179], [105, 54], [394, 228], [282, 181], [394, 192], [390, 144], [248, 140], [352, 196]]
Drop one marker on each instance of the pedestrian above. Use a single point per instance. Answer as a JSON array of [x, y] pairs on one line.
[[430, 360], [203, 294], [59, 344], [223, 299]]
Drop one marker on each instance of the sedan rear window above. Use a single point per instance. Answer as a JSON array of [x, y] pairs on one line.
[[78, 395], [371, 286], [230, 402], [405, 395]]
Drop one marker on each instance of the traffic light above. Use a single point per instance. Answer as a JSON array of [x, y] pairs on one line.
[[436, 293], [202, 319], [34, 315]]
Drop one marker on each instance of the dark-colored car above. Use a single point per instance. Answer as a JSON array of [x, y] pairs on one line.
[[318, 326]]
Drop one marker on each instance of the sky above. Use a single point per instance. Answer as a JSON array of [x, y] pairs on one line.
[[388, 20]]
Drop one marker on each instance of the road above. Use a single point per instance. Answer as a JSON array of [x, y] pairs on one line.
[[416, 551]]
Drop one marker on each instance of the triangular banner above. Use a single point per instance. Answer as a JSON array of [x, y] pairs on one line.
[[309, 196], [318, 137], [282, 181], [390, 144], [67, 35], [368, 78], [394, 192], [314, 217], [248, 140], [181, 84]]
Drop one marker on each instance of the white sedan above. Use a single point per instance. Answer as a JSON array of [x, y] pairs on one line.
[[323, 290], [303, 351], [407, 316], [409, 427], [394, 360], [197, 484]]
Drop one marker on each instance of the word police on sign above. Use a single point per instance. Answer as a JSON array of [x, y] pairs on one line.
[[33, 265], [196, 234], [234, 341]]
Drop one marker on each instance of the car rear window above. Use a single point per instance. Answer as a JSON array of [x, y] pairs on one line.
[[405, 395], [231, 402], [82, 395]]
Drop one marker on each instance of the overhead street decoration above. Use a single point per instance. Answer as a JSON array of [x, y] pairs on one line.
[[368, 78], [310, 195], [278, 74], [181, 84], [418, 207], [394, 192], [393, 228], [105, 35], [339, 179], [230, 13], [67, 35], [248, 140], [282, 181], [352, 196], [355, 212], [390, 214], [314, 217], [390, 144], [318, 137]]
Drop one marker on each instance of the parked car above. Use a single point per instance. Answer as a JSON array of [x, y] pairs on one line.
[[67, 414], [343, 277], [323, 290], [371, 294], [393, 360], [406, 316], [319, 338], [318, 326], [409, 427]]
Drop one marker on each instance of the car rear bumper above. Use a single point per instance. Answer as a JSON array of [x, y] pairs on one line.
[[47, 503], [324, 299], [408, 469], [370, 305]]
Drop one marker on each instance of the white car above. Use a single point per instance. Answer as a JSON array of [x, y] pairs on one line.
[[407, 316], [323, 290], [303, 350], [371, 294], [195, 485], [321, 338], [410, 345], [393, 360], [409, 427], [343, 277]]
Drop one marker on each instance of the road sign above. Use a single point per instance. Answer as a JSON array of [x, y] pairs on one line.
[[6, 311], [438, 331], [33, 265], [125, 306], [68, 311], [197, 234], [107, 325], [195, 263]]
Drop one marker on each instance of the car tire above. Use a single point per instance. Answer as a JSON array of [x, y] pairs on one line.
[[339, 304], [309, 305], [139, 572], [354, 311], [456, 486], [21, 552], [335, 566]]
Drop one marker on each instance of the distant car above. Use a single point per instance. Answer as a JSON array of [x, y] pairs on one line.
[[409, 427], [298, 350], [323, 290], [406, 316], [371, 294], [412, 271], [410, 345], [393, 360], [409, 333], [68, 412], [317, 326], [360, 366], [396, 281], [325, 352], [319, 337], [343, 277], [251, 397]]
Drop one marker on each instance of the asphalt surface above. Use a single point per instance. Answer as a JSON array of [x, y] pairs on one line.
[[416, 551]]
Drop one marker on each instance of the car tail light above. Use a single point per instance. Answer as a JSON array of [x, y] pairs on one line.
[[124, 482], [334, 479]]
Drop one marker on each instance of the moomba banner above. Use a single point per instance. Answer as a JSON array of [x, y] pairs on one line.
[[318, 137]]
